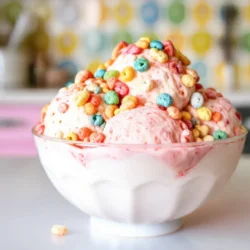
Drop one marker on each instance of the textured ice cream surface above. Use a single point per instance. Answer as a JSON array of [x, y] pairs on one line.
[[163, 80], [144, 125]]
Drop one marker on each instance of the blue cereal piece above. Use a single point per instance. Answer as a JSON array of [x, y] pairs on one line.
[[164, 100], [197, 100], [141, 64], [156, 44], [96, 120], [111, 97], [100, 73], [219, 135]]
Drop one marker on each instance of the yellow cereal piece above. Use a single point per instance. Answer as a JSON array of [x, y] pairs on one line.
[[199, 140], [142, 44], [105, 90], [188, 80], [59, 230], [208, 138], [174, 112], [130, 104], [127, 74], [110, 111], [204, 113], [89, 109], [203, 129], [243, 129], [129, 98], [186, 116], [158, 55], [196, 133], [117, 111], [72, 136], [82, 98], [193, 73], [182, 58], [101, 66], [145, 38]]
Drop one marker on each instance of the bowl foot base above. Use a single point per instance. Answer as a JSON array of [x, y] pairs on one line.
[[102, 226]]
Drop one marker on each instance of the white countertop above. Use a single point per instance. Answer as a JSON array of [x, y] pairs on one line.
[[30, 205], [43, 96]]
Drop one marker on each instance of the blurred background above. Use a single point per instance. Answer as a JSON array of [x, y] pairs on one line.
[[43, 43]]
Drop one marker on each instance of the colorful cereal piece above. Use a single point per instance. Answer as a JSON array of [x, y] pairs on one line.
[[182, 57], [82, 76], [199, 140], [111, 73], [193, 73], [156, 44], [127, 74], [100, 73], [97, 90], [108, 63], [84, 133], [121, 88], [134, 50], [82, 98], [97, 137], [145, 38], [198, 86], [176, 66], [188, 80], [203, 129], [130, 104], [158, 55], [89, 108], [174, 113], [59, 230], [63, 107], [197, 100], [164, 100], [219, 135], [95, 100], [142, 44], [204, 113], [91, 87], [39, 128], [96, 120], [141, 64], [208, 138], [168, 48], [116, 51], [216, 116], [186, 116], [189, 124], [117, 111], [111, 97], [72, 136], [196, 133], [110, 111]]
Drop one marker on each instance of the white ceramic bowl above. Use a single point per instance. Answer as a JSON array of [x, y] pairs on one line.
[[138, 190]]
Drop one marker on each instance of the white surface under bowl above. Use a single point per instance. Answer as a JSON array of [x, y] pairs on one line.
[[138, 190]]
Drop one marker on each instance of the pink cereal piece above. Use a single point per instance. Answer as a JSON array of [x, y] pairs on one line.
[[39, 128], [168, 48], [183, 125], [63, 107], [133, 49], [176, 66], [186, 136], [111, 82], [121, 88], [211, 94], [97, 137]]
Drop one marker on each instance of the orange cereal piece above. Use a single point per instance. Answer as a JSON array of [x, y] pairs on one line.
[[186, 115], [174, 113], [216, 116], [97, 137], [108, 63], [95, 100], [104, 85], [111, 82], [59, 230], [82, 76], [105, 90], [82, 98], [110, 111], [89, 109], [118, 48], [39, 128], [84, 133]]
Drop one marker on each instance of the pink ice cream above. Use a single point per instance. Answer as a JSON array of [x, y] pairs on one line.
[[145, 125], [159, 76]]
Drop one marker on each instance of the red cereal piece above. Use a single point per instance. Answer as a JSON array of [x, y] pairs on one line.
[[189, 124], [84, 133], [219, 95], [161, 107], [216, 116], [39, 128], [238, 115], [211, 94], [176, 66], [121, 88], [168, 48], [133, 49], [63, 107], [95, 100], [198, 86], [97, 137], [111, 82]]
